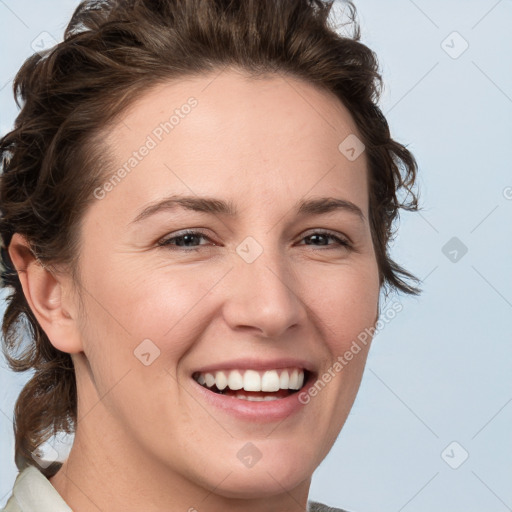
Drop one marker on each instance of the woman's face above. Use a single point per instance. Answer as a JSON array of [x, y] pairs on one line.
[[264, 286]]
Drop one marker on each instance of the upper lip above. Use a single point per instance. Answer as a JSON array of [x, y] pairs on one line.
[[257, 364]]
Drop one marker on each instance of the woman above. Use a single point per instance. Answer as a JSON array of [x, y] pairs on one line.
[[196, 204]]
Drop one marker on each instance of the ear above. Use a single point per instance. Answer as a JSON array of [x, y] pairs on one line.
[[46, 295]]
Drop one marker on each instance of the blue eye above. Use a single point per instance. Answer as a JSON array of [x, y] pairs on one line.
[[326, 235], [183, 240], [187, 240]]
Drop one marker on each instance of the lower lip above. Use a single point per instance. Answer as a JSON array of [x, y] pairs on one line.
[[262, 412]]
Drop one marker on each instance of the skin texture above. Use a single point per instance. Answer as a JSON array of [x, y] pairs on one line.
[[145, 439]]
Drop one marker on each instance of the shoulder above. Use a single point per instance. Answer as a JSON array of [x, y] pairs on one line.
[[11, 506], [33, 492], [314, 506]]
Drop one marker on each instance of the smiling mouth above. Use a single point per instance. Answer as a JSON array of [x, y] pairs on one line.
[[253, 385]]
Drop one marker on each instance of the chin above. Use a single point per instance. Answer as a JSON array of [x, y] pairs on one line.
[[263, 482], [274, 467]]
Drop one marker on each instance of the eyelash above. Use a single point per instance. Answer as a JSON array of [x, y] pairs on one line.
[[341, 242]]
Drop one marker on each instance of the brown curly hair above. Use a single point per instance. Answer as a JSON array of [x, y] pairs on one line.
[[113, 50]]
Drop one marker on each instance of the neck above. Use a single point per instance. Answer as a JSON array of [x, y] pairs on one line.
[[103, 484], [108, 470]]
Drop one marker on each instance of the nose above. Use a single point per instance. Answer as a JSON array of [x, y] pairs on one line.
[[262, 296]]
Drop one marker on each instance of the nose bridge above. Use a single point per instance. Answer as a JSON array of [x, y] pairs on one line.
[[263, 293]]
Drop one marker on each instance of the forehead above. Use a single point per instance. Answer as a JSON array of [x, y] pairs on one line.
[[233, 98], [221, 127]]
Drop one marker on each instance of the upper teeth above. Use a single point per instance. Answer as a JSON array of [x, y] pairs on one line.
[[252, 380]]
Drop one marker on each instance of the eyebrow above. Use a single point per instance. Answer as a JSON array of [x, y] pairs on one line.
[[315, 206]]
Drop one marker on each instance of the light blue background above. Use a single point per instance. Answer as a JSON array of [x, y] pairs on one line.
[[440, 371]]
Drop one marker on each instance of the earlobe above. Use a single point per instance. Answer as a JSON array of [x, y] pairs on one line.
[[43, 290]]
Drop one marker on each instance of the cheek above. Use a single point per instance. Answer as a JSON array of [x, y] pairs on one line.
[[169, 306], [173, 305], [344, 301]]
